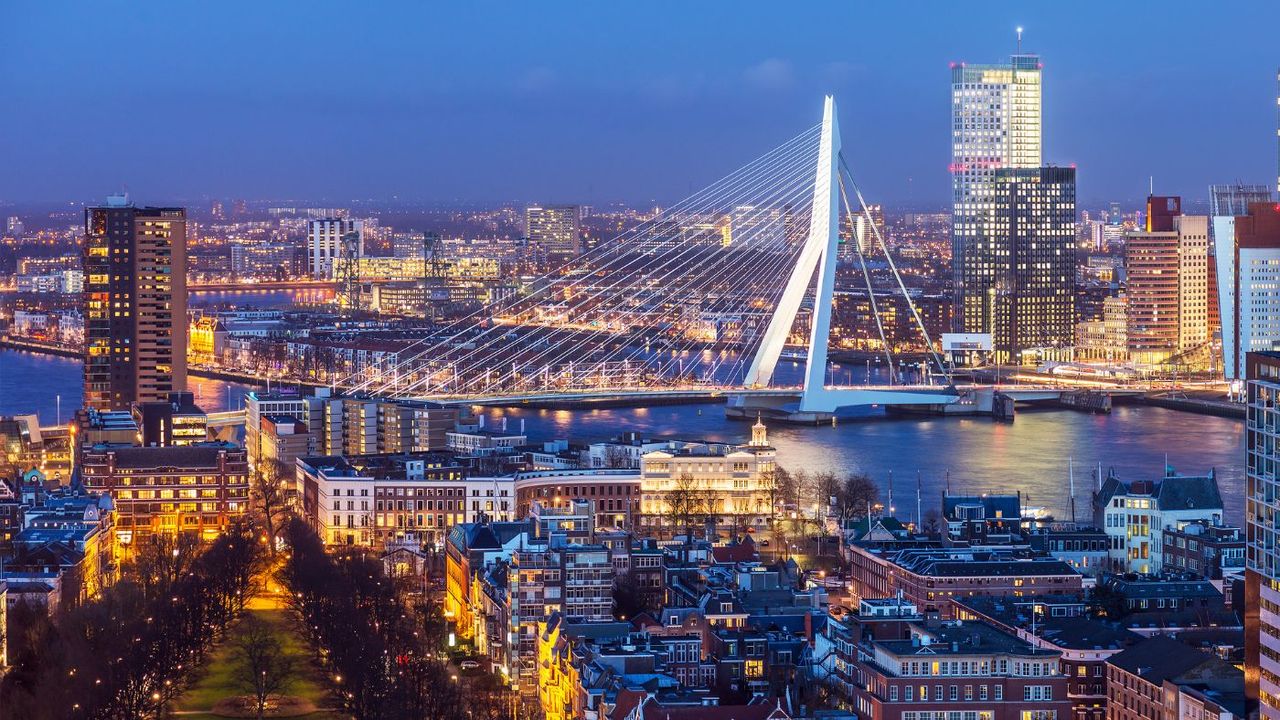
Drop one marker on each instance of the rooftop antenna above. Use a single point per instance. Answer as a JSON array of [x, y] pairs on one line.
[[1019, 39], [919, 516], [1071, 477]]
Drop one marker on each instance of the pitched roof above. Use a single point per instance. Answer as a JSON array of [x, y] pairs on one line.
[[1083, 633], [1158, 658], [735, 552], [201, 455], [1189, 493], [767, 710]]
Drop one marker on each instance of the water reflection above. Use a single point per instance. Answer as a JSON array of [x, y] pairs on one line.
[[1030, 454]]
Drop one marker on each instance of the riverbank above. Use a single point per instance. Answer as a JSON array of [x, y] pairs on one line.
[[1197, 404], [1200, 403], [192, 370], [38, 348]]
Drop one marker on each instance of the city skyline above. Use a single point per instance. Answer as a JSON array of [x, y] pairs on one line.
[[599, 116], [562, 361]]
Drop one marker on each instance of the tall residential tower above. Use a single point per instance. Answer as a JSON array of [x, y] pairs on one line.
[[135, 304], [555, 228], [1167, 268], [1262, 534], [995, 125], [1030, 258]]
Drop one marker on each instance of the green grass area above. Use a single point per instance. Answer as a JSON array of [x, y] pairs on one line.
[[322, 715], [216, 679]]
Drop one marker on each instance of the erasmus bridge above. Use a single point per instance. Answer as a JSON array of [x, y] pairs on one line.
[[702, 299]]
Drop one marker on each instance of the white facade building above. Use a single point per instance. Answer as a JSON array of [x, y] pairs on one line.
[[325, 243], [700, 485], [1248, 275], [1134, 516]]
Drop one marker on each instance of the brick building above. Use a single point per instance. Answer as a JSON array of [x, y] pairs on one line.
[[199, 488], [897, 666], [931, 577]]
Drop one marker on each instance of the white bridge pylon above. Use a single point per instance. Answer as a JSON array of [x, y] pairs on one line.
[[820, 253]]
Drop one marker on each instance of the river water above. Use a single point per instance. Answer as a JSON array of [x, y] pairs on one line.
[[1032, 454]]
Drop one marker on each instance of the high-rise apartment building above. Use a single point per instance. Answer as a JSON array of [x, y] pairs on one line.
[[329, 239], [1026, 264], [1167, 271], [995, 125], [862, 234], [1234, 200], [135, 304], [1262, 535], [1247, 254], [555, 228]]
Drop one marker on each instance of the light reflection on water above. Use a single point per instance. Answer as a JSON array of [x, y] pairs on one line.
[[1031, 454]]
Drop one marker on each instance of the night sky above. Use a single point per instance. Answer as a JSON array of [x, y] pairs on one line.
[[604, 101]]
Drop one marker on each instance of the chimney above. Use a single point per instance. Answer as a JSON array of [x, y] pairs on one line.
[[808, 627]]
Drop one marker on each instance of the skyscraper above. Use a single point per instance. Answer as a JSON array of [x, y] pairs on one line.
[[556, 228], [135, 304], [1262, 541], [1167, 272], [995, 125], [326, 240], [1027, 258], [1247, 254], [1234, 200]]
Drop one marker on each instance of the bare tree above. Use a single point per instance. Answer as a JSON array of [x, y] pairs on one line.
[[616, 457], [857, 493], [270, 497], [709, 508], [262, 666], [684, 503], [826, 490], [932, 523], [770, 481]]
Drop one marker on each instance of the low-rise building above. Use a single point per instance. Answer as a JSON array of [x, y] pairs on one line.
[[371, 500], [199, 488], [177, 420], [1144, 681], [614, 493], [1084, 643], [716, 486], [890, 664], [982, 519], [1086, 550], [1204, 549], [1135, 514], [932, 577]]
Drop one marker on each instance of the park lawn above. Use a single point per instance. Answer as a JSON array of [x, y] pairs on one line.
[[320, 715], [216, 680]]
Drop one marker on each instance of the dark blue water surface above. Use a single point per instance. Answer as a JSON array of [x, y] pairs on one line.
[[979, 455]]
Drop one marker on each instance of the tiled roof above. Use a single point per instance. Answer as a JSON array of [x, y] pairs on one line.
[[1158, 658]]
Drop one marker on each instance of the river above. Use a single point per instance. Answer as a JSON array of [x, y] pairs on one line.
[[1032, 454]]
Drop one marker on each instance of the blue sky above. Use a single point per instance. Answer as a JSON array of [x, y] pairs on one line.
[[600, 101]]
